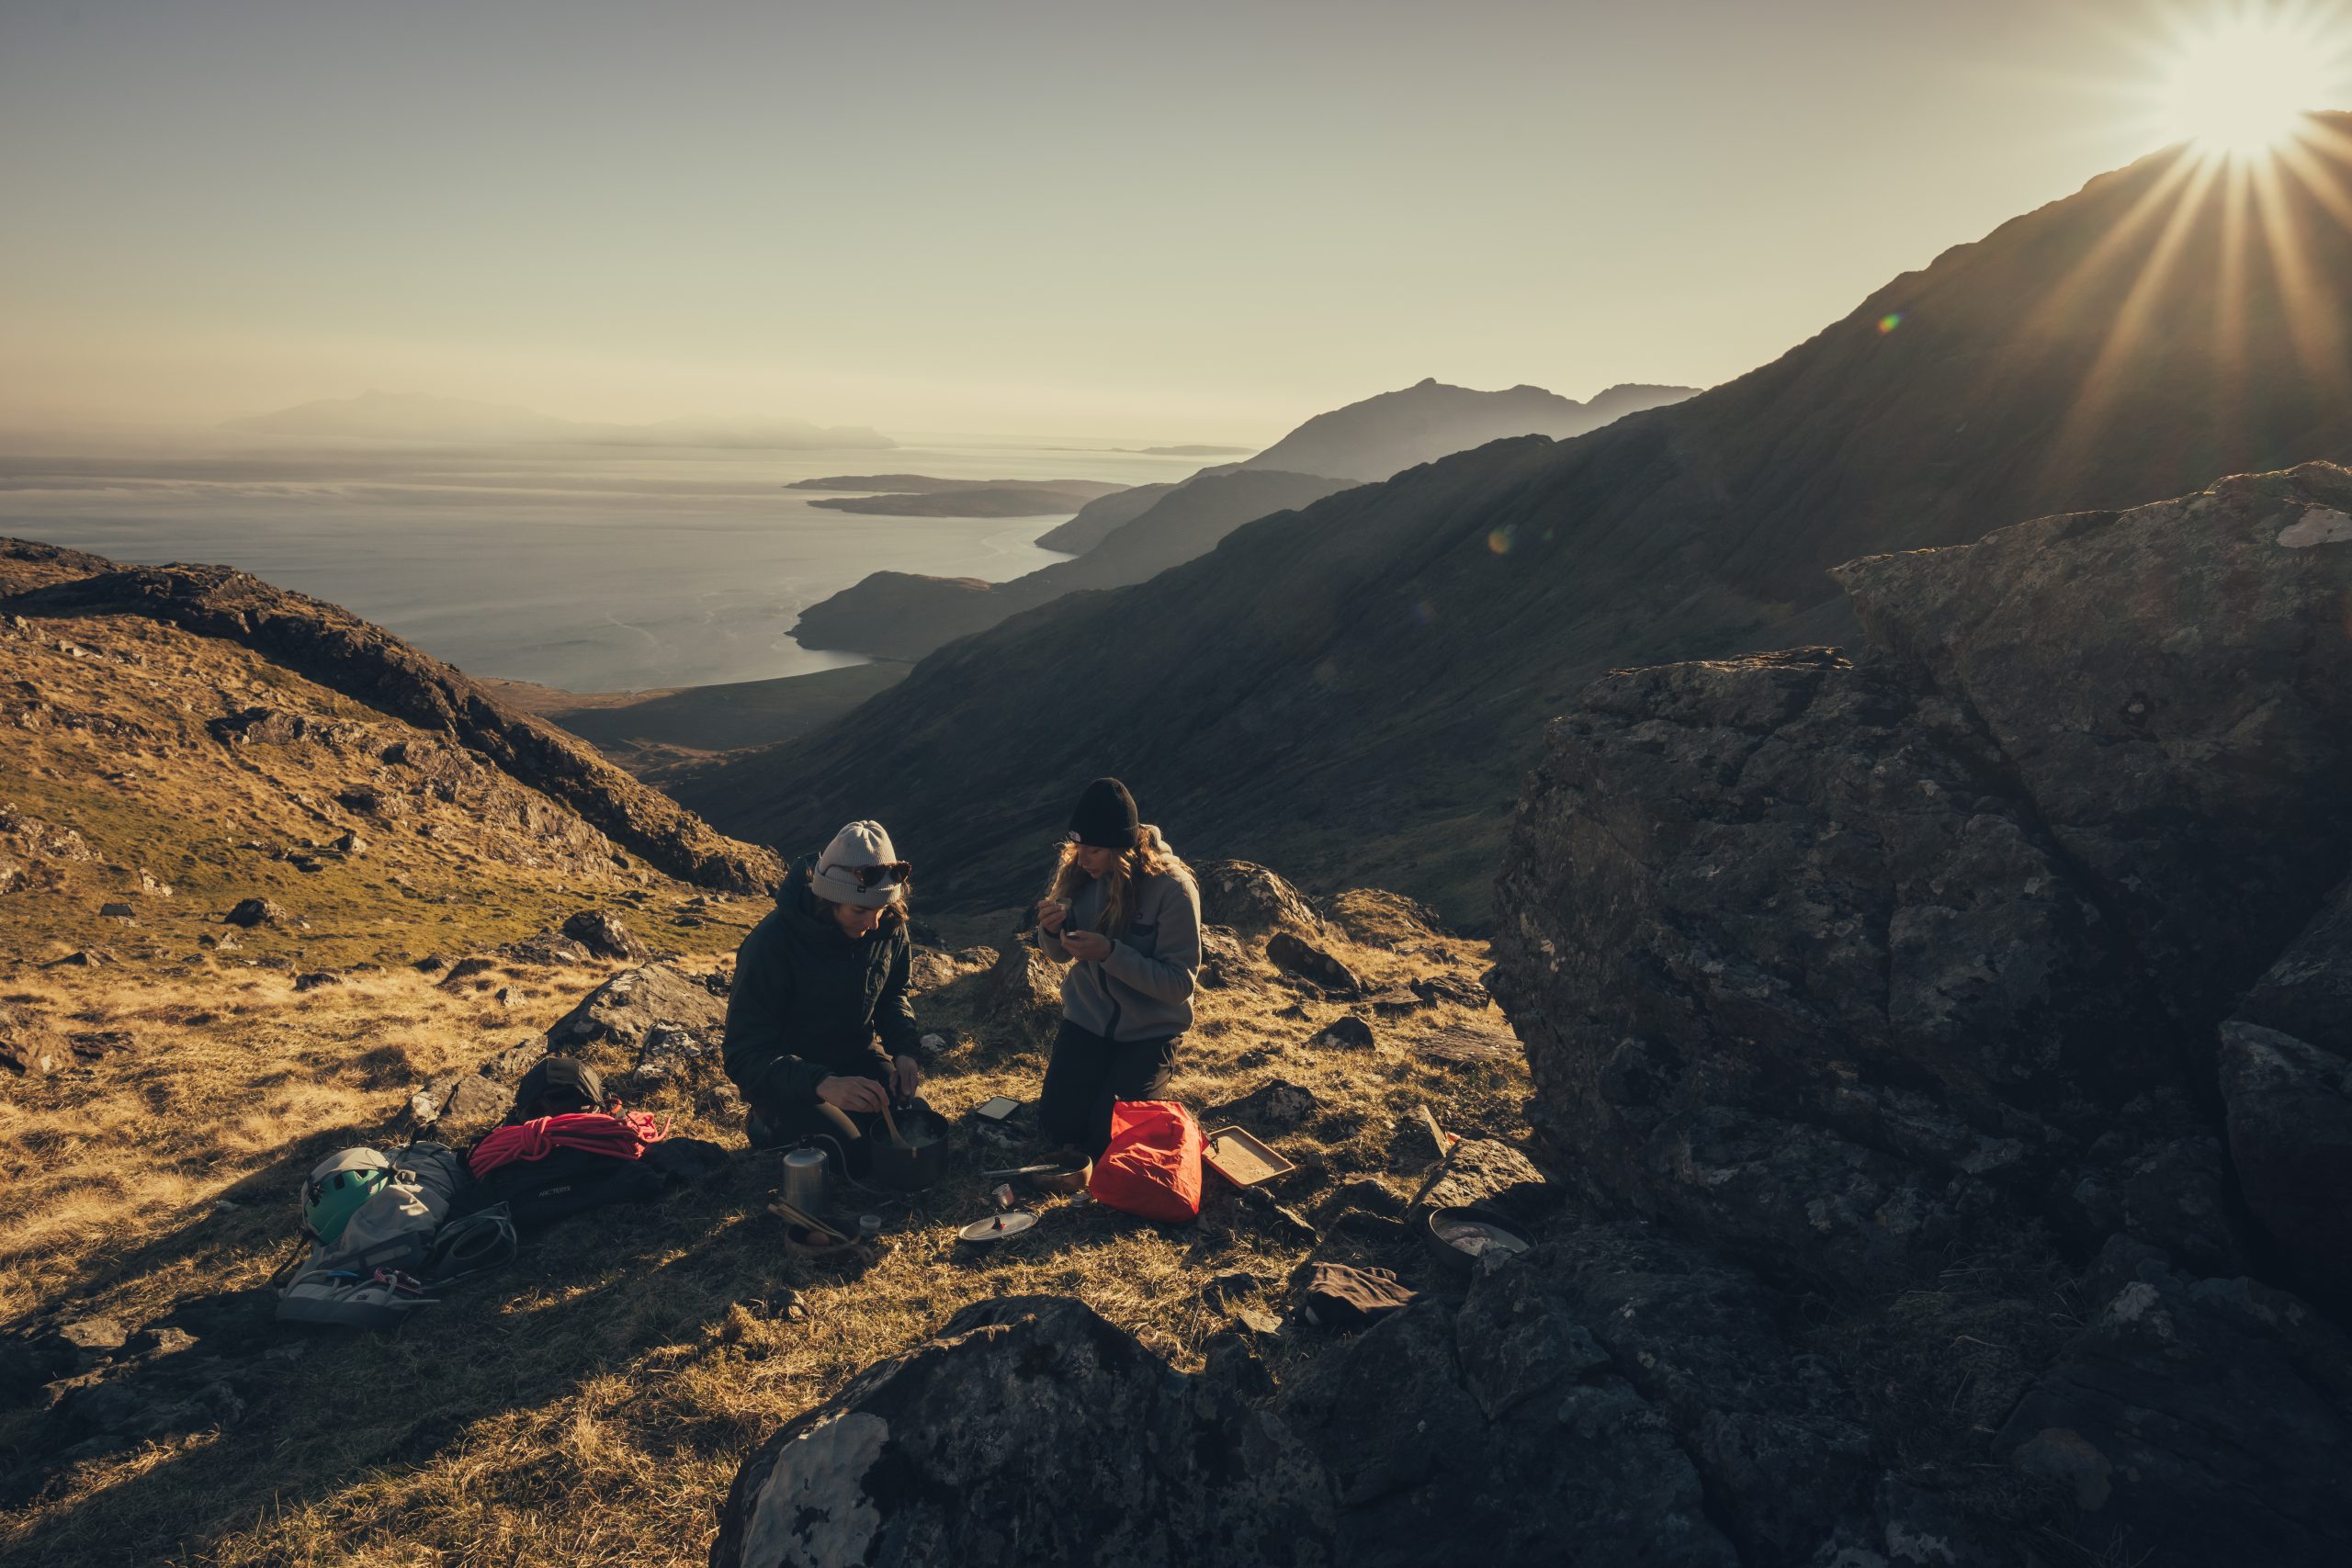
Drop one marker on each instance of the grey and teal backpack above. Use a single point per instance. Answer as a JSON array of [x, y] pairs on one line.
[[383, 1239]]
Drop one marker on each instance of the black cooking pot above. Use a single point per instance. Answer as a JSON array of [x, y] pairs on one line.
[[921, 1160]]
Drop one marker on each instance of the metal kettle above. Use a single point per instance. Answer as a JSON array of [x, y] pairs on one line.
[[807, 1185]]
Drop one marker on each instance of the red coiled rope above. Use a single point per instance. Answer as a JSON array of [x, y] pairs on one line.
[[621, 1135]]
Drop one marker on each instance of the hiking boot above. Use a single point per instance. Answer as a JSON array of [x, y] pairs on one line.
[[758, 1132]]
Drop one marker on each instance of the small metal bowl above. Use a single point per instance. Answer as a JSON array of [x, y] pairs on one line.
[[1452, 1254], [1073, 1171]]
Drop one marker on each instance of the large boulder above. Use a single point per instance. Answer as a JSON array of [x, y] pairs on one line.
[[2197, 1421], [1611, 1397], [2172, 687], [1254, 901], [620, 1012], [28, 1046], [1488, 1173], [1797, 971], [2023, 935], [603, 934], [1288, 951], [2308, 993], [1838, 966], [2289, 1110], [657, 1033], [1030, 1430]]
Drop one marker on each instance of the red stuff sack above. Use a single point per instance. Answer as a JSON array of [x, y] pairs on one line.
[[1152, 1166]]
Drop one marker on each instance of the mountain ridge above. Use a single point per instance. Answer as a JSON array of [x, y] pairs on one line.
[[328, 644], [1355, 661]]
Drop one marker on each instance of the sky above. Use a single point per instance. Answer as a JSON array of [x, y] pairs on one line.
[[1080, 218]]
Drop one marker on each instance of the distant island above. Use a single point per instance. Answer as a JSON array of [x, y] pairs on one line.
[[1196, 451], [925, 495], [416, 417], [904, 484]]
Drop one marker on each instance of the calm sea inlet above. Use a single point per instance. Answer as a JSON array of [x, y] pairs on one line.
[[587, 568]]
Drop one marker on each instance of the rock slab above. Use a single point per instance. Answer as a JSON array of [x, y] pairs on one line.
[[1030, 1430]]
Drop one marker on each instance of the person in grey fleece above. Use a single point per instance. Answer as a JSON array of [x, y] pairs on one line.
[[1125, 914]]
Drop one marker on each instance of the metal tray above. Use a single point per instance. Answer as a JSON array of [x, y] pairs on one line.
[[1240, 1159]]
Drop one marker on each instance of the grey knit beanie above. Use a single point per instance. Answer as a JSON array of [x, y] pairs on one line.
[[859, 844]]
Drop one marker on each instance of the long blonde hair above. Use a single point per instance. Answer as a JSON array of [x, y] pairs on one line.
[[1149, 856]]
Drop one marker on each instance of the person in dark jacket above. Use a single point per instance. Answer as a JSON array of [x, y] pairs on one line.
[[1125, 914], [816, 983]]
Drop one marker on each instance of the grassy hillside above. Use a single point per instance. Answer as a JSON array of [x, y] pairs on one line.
[[161, 1101]]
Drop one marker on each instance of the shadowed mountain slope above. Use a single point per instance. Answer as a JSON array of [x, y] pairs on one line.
[[1363, 681], [900, 615], [1098, 520]]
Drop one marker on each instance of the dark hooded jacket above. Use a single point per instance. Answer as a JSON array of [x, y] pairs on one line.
[[809, 1000]]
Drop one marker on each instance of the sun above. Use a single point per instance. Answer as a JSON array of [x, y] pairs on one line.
[[2238, 85]]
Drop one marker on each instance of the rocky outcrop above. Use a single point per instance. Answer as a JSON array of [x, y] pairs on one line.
[[1486, 1173], [603, 934], [656, 1032], [1276, 1106], [346, 654], [1254, 901], [28, 1046], [1826, 963], [2289, 1109], [1612, 1397], [2197, 1421], [1312, 961], [1842, 969], [2168, 687], [1028, 1431]]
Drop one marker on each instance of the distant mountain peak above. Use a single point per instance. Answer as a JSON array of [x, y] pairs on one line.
[[1389, 432]]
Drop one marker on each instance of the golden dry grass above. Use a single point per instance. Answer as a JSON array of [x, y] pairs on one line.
[[588, 1404]]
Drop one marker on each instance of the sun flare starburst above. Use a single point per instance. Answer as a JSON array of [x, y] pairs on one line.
[[2237, 82]]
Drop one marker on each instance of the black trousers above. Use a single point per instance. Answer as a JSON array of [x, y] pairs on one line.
[[1087, 1073]]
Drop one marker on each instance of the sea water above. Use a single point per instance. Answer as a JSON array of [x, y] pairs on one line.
[[586, 569]]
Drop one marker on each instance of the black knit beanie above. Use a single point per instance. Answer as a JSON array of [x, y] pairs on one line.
[[1106, 816]]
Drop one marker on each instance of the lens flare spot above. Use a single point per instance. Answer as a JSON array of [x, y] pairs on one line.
[[1425, 613], [1502, 538], [1889, 322]]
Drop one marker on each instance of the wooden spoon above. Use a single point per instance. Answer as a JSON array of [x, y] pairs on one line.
[[893, 1126]]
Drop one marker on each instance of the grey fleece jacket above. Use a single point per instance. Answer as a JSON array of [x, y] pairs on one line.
[[1143, 990]]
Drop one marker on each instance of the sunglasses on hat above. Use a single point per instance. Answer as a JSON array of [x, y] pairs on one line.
[[896, 872]]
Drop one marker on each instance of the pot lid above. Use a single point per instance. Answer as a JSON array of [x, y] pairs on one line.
[[998, 1227]]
